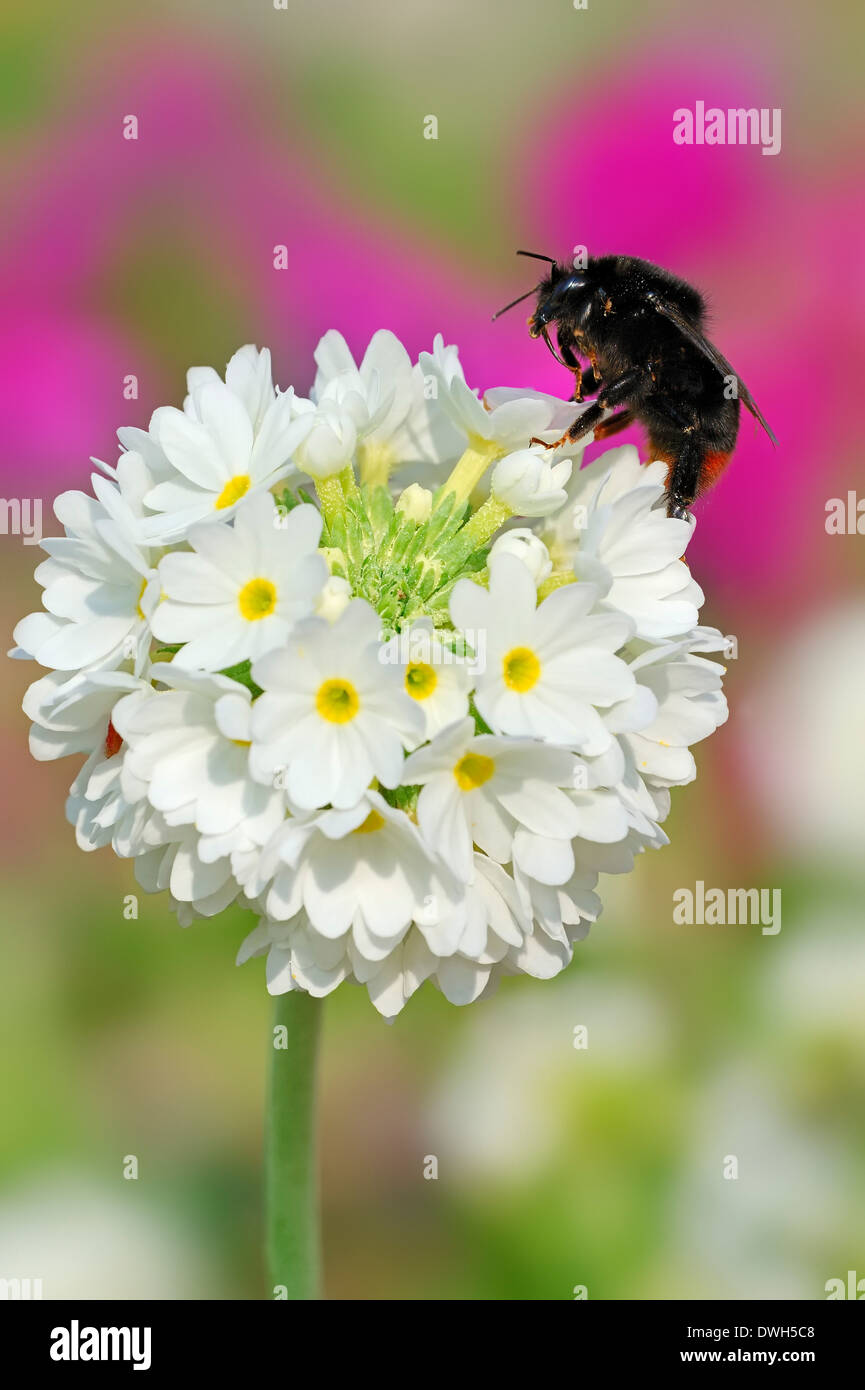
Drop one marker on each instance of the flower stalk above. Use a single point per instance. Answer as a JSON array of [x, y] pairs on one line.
[[291, 1181], [331, 498], [470, 468], [484, 523], [348, 482], [556, 580]]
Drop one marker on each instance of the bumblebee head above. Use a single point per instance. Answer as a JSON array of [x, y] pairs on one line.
[[562, 282]]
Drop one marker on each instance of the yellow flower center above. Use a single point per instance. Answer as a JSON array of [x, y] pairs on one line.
[[139, 610], [374, 821], [337, 701], [472, 770], [420, 680], [234, 489], [521, 669], [257, 599]]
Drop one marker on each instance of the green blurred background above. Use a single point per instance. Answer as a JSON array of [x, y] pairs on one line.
[[557, 1167]]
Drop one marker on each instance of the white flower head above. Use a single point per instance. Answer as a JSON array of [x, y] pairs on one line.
[[337, 422], [482, 790], [526, 546], [100, 588], [689, 705], [365, 871], [333, 599], [98, 804], [504, 426], [232, 439], [435, 675], [187, 748], [407, 739], [332, 716], [550, 667], [242, 587], [71, 712], [614, 532], [248, 376], [560, 416], [529, 483], [385, 407]]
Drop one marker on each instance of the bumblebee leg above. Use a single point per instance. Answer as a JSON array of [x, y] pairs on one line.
[[572, 361], [591, 382], [584, 424], [614, 424], [684, 452], [630, 386], [683, 478], [587, 383]]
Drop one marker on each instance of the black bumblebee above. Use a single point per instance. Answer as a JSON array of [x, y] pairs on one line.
[[641, 330]]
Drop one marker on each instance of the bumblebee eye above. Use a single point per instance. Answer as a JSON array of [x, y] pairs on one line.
[[548, 310], [572, 282]]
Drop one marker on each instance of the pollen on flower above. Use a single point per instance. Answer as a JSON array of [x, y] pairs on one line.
[[257, 599], [337, 701], [472, 770], [234, 489], [521, 669], [420, 680], [373, 822]]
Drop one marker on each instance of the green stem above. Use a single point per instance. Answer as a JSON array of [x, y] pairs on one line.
[[485, 522], [557, 580], [469, 470], [348, 482], [376, 462], [331, 498], [290, 1162]]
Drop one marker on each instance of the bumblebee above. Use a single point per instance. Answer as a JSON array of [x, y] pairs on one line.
[[634, 337]]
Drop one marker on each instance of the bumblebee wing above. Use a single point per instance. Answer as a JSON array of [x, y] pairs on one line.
[[701, 342]]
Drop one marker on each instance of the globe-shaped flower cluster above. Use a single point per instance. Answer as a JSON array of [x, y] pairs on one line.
[[374, 666]]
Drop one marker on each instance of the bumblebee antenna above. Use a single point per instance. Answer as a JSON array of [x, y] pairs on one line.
[[514, 302], [538, 256]]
